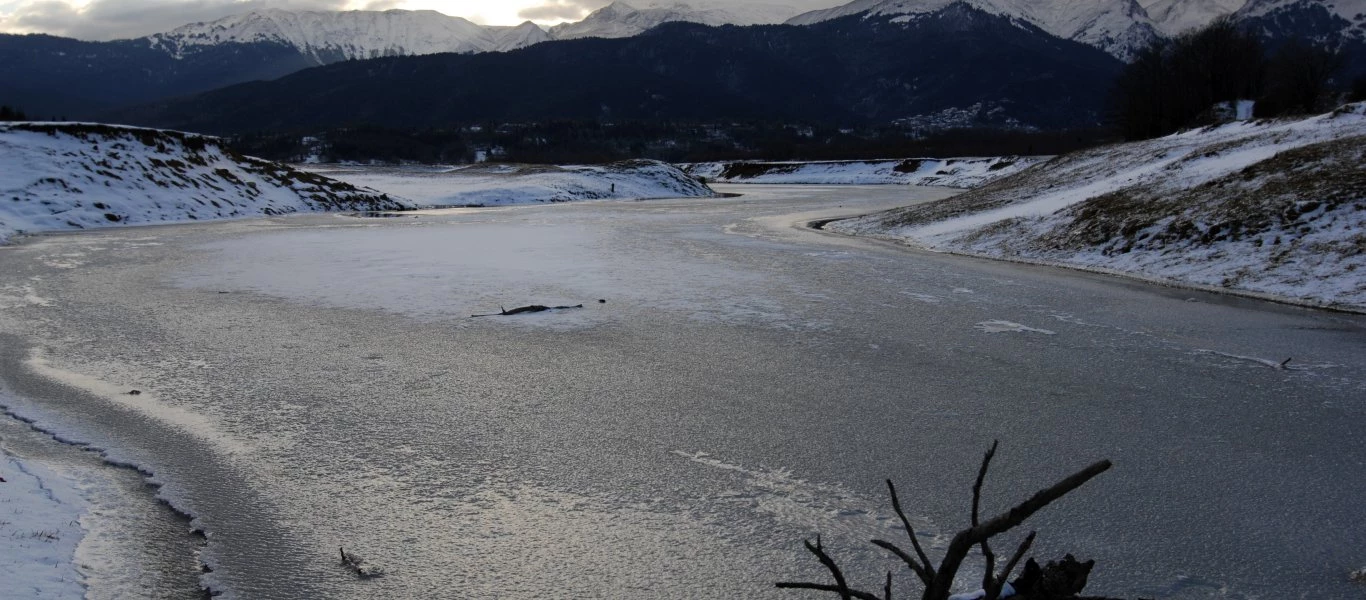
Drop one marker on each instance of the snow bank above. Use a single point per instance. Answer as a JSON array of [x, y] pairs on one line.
[[64, 176], [498, 184], [948, 172], [39, 531], [1265, 207]]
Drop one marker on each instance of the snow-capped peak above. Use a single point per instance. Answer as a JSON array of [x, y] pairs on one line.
[[1347, 9], [1119, 27], [1174, 17], [620, 19], [327, 36]]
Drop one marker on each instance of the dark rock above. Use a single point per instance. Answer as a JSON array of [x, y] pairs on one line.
[[1058, 579]]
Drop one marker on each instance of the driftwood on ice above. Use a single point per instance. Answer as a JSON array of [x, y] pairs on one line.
[[534, 308]]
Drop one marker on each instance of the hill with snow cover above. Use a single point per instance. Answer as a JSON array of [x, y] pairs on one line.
[[503, 184], [1275, 208], [69, 176], [947, 172]]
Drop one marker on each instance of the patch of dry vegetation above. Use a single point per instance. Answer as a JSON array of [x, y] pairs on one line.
[[1282, 194]]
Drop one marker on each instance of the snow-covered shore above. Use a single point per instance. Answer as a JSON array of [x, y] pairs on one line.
[[501, 184], [947, 172], [1267, 208], [69, 176], [39, 530]]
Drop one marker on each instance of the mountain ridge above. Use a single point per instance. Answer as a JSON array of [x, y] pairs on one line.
[[1118, 27], [847, 70]]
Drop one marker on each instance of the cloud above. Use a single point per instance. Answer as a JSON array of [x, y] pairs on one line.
[[561, 10], [119, 19]]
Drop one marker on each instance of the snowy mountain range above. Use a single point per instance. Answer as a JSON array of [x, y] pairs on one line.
[[62, 77], [331, 36], [618, 20], [327, 37], [1119, 27]]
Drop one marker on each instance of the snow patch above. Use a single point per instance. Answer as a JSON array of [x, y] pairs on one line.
[[999, 326], [39, 531], [947, 172]]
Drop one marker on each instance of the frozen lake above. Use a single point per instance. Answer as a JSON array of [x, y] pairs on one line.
[[315, 382]]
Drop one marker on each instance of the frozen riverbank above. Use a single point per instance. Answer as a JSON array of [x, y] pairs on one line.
[[73, 526], [681, 439], [965, 172]]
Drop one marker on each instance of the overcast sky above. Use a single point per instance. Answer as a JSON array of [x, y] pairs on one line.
[[115, 19]]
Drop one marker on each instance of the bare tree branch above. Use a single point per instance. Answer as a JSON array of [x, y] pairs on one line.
[[990, 572], [967, 538], [981, 477], [908, 559], [825, 587], [1019, 554], [994, 584], [841, 587], [925, 569]]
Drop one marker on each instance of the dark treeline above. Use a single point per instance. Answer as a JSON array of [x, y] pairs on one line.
[[563, 142], [8, 113], [1175, 84]]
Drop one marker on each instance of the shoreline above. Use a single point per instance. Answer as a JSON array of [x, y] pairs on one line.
[[111, 534], [822, 225]]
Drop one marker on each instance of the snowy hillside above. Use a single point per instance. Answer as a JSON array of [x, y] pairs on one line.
[[1334, 21], [952, 172], [1347, 9], [1174, 17], [1266, 207], [327, 36], [618, 19], [65, 176], [1119, 27], [501, 184]]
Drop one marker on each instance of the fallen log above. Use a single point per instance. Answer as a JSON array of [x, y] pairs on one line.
[[534, 308]]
